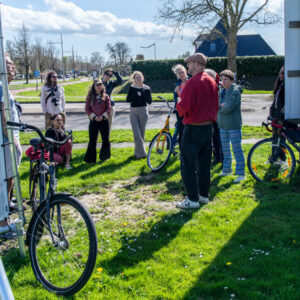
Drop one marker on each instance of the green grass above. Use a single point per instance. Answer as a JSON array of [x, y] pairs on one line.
[[245, 242], [125, 135]]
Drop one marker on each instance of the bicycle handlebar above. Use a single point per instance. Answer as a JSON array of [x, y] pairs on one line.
[[46, 140], [161, 98]]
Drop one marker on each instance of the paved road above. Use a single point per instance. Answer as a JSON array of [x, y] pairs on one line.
[[255, 109]]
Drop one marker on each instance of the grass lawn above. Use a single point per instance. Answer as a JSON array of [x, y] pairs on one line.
[[125, 135], [243, 245]]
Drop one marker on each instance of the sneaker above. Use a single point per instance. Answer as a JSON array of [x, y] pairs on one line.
[[239, 179], [187, 204], [68, 167], [224, 173], [203, 200]]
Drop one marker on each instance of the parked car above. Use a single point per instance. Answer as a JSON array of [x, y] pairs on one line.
[[59, 76], [67, 76]]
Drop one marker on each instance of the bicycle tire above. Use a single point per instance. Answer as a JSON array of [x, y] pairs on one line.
[[247, 85], [160, 149], [263, 166], [54, 265]]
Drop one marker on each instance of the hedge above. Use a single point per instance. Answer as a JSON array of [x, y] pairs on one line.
[[248, 65]]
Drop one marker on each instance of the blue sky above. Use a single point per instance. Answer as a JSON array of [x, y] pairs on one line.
[[89, 25]]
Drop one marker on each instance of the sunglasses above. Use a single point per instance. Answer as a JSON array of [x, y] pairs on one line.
[[107, 74], [53, 76]]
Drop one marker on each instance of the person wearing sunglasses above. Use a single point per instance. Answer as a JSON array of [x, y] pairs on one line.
[[109, 86], [52, 99], [98, 109]]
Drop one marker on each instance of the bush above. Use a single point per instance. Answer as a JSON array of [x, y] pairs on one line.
[[246, 65]]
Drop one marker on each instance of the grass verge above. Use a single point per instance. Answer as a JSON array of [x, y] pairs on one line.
[[244, 244]]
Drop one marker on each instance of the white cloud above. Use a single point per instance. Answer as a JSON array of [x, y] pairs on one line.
[[66, 17]]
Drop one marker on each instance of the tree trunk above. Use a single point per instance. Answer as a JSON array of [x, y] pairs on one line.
[[27, 73], [231, 51]]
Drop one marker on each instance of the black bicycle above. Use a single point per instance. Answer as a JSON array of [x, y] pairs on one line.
[[61, 236], [272, 159]]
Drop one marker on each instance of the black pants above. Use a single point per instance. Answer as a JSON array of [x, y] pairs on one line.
[[94, 128], [217, 147], [196, 147], [180, 126]]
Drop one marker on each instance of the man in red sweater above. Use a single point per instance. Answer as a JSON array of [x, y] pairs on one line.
[[199, 107]]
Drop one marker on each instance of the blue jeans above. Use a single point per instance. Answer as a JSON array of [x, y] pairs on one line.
[[235, 138], [195, 155]]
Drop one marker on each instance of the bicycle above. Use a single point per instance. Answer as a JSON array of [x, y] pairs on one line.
[[163, 144], [272, 159], [61, 236], [244, 84]]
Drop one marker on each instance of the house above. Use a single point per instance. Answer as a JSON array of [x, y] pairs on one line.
[[214, 45]]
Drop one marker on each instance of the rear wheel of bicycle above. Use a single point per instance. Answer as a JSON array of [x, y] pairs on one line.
[[268, 163], [65, 266], [159, 151]]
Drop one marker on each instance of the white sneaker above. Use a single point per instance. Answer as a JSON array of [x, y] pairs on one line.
[[203, 200], [224, 174], [239, 179], [187, 203]]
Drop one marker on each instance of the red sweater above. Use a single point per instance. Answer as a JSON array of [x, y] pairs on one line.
[[199, 100], [98, 108]]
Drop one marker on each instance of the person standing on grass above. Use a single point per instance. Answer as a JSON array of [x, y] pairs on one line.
[[11, 71], [230, 124], [98, 108], [182, 77], [109, 86], [52, 99], [139, 95], [198, 105], [216, 140]]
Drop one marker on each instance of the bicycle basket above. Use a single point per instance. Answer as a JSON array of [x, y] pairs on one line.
[[293, 134], [36, 154]]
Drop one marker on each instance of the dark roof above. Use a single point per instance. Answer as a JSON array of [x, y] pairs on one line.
[[247, 45]]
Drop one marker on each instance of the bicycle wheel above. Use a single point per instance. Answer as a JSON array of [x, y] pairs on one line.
[[65, 266], [247, 85], [159, 151], [267, 163]]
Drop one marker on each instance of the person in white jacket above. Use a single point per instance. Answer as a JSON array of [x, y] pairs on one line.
[[52, 99]]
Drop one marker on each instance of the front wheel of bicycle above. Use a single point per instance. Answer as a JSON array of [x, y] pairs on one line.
[[159, 151], [267, 162], [63, 267]]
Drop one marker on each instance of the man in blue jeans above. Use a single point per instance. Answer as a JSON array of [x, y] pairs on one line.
[[198, 106]]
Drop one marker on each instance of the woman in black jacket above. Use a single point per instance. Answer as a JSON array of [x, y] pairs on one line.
[[139, 95]]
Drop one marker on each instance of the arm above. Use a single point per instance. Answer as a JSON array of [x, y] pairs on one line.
[[118, 81], [63, 101], [43, 99], [3, 119], [108, 107], [129, 95], [88, 109], [231, 103], [184, 106], [148, 96]]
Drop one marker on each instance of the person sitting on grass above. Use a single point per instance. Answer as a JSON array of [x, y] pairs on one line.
[[57, 132]]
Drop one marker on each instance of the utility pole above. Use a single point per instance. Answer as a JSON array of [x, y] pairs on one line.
[[62, 53], [73, 62], [152, 45]]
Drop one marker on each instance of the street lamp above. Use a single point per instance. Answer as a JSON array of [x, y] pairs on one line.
[[152, 45]]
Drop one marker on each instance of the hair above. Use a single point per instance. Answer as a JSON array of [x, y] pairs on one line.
[[133, 75], [48, 78], [92, 94], [277, 82], [108, 70], [228, 73], [211, 73], [178, 67]]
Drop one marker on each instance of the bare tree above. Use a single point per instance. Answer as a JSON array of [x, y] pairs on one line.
[[39, 56], [233, 13], [22, 47], [52, 53], [122, 52], [112, 54], [97, 61]]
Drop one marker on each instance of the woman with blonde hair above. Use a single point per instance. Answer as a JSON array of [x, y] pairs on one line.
[[182, 77], [139, 95], [98, 108]]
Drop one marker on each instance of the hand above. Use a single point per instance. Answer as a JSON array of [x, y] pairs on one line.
[[222, 104], [178, 99], [98, 119], [16, 142]]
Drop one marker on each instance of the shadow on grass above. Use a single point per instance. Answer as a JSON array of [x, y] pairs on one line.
[[136, 249], [261, 260]]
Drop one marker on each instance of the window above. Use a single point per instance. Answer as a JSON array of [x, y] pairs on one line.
[[212, 47]]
